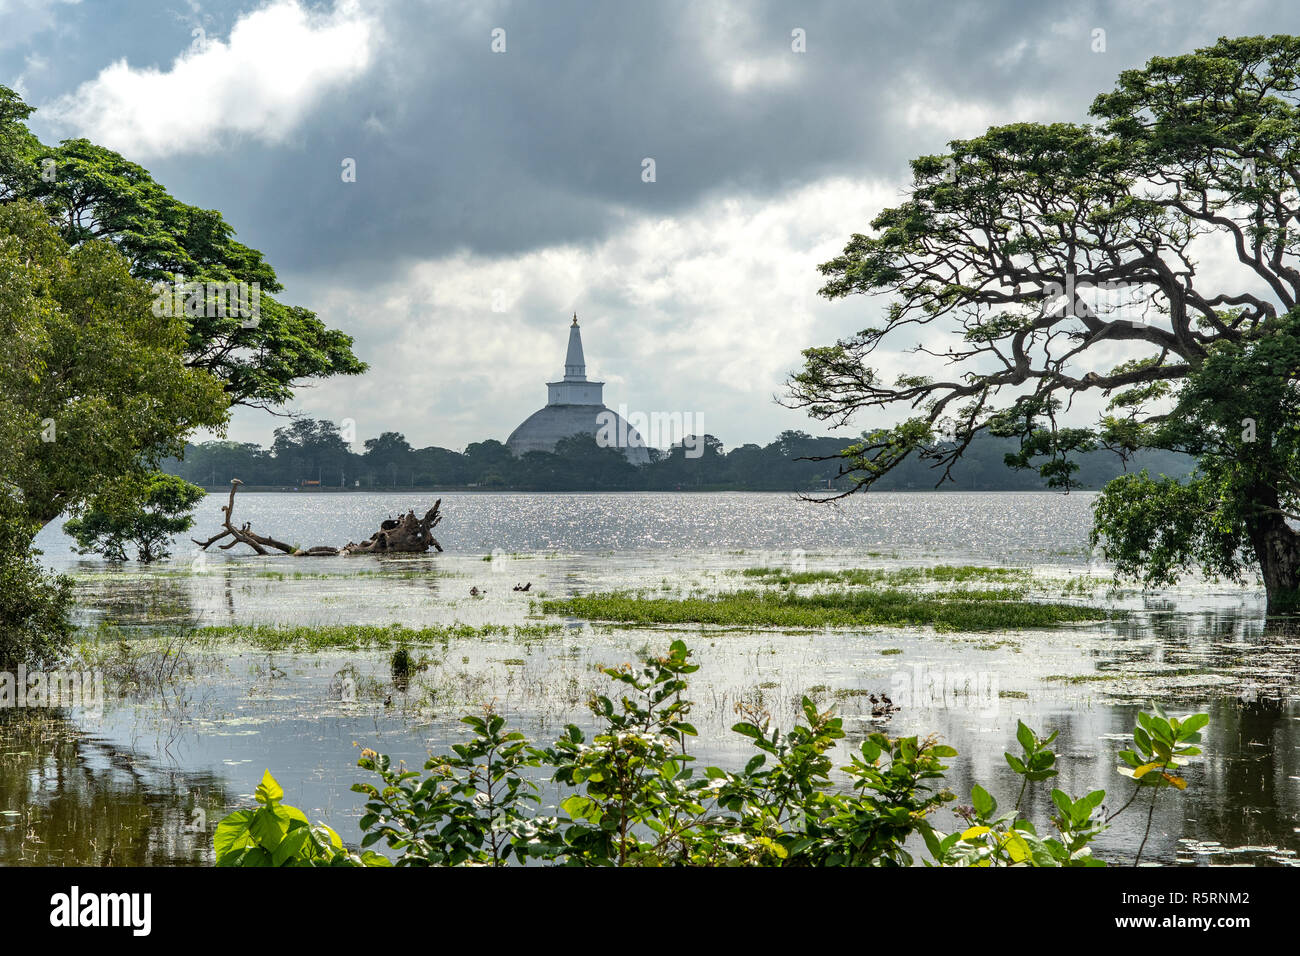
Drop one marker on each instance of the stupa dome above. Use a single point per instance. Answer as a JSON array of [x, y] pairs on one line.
[[575, 407]]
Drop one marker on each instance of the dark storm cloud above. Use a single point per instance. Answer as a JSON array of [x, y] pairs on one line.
[[461, 148], [501, 153]]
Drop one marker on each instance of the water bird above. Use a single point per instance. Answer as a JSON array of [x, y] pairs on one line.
[[882, 707], [523, 587]]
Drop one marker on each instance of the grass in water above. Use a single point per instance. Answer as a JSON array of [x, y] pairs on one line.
[[894, 577], [1081, 678], [316, 637], [955, 609]]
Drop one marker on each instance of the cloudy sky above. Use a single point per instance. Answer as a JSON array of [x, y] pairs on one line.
[[498, 191]]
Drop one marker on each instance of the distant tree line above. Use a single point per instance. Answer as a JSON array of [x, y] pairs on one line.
[[312, 453]]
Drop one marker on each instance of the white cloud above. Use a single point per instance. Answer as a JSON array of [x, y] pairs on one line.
[[705, 312], [279, 63], [918, 106]]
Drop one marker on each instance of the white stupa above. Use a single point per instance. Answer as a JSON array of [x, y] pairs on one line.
[[574, 406]]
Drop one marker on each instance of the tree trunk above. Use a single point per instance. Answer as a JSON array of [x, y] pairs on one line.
[[1277, 548], [408, 533]]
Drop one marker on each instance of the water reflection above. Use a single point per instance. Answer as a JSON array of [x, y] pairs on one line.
[[69, 799], [1251, 782]]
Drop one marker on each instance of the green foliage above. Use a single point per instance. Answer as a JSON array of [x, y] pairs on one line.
[[320, 637], [97, 194], [1036, 762], [1162, 744], [93, 385], [1157, 529], [274, 834], [93, 393], [1239, 414], [634, 803], [630, 795], [162, 508], [1016, 239], [963, 609], [895, 577], [793, 461], [401, 664], [1054, 443], [34, 603], [468, 810], [18, 147], [1009, 839], [96, 387], [888, 801]]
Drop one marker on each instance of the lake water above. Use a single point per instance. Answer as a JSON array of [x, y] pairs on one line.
[[988, 526], [124, 787]]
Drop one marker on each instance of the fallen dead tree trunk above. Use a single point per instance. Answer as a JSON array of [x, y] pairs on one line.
[[405, 535]]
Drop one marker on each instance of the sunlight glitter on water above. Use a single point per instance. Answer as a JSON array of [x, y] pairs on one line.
[[1002, 526]]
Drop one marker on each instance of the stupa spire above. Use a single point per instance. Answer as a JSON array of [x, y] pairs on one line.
[[575, 365]]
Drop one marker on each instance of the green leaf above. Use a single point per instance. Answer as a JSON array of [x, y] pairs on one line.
[[1025, 736], [576, 806], [1141, 738], [1192, 724], [293, 846], [268, 791], [233, 833]]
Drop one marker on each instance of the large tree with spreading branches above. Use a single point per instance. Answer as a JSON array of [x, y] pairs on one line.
[[1149, 258], [93, 193], [100, 381], [107, 209]]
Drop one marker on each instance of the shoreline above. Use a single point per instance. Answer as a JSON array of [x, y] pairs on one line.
[[461, 489]]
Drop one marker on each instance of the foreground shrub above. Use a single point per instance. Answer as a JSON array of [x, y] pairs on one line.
[[631, 797], [273, 834]]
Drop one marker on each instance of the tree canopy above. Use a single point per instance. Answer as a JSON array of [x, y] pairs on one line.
[[94, 394], [94, 389], [1028, 255], [107, 361], [90, 192], [166, 503]]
